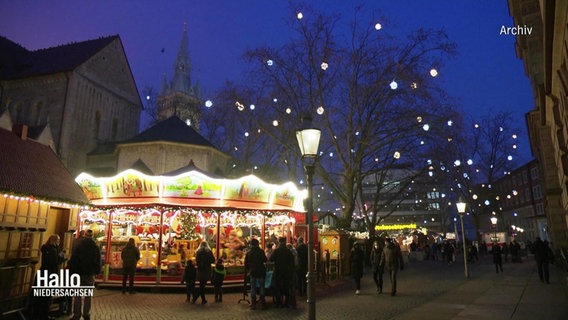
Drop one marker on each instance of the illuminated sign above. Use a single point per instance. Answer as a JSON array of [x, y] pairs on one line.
[[396, 226]]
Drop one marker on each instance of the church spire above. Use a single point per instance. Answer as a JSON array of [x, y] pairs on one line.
[[181, 81]]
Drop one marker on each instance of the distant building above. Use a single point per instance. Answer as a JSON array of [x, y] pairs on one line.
[[84, 93], [167, 146], [180, 97], [544, 54], [522, 203]]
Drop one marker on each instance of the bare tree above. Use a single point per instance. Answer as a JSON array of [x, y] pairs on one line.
[[374, 96]]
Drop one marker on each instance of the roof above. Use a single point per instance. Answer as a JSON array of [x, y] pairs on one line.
[[33, 169], [172, 129], [18, 62], [190, 167], [141, 166]]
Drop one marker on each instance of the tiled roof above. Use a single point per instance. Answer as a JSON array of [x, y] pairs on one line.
[[17, 62], [31, 168], [172, 129]]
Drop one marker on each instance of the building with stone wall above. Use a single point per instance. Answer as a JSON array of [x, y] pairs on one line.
[[84, 93], [545, 56]]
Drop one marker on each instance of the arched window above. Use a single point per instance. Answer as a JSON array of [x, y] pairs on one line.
[[97, 126], [37, 112]]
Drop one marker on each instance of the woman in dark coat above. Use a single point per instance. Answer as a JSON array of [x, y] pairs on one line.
[[204, 259], [51, 259], [356, 260]]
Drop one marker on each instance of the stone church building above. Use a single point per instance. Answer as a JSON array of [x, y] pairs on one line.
[[84, 93], [81, 99]]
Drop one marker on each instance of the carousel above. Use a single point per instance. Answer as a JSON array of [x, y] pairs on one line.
[[168, 216]]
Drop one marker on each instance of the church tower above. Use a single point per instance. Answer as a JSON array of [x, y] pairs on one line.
[[179, 97]]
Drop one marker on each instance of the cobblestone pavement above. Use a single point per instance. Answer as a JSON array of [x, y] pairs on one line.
[[426, 290]]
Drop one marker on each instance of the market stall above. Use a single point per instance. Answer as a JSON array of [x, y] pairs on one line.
[[169, 215]]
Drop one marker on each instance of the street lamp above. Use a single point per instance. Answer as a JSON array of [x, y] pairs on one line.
[[308, 141], [494, 223], [461, 210]]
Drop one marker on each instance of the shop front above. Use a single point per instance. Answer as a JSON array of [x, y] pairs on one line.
[[169, 216]]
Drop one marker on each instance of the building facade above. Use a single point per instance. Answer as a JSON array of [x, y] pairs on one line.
[[521, 199], [84, 92], [545, 56]]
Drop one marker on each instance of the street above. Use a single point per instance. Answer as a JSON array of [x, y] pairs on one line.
[[426, 289]]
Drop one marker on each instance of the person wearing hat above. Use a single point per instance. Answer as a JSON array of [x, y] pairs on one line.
[[356, 260], [391, 261]]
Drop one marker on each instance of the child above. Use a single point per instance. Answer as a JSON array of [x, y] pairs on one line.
[[219, 273], [188, 277]]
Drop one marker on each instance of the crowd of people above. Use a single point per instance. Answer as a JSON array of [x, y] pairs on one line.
[[287, 275]]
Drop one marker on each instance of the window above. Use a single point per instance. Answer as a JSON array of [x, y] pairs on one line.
[[537, 192], [534, 173], [97, 126], [540, 209], [527, 195], [26, 240]]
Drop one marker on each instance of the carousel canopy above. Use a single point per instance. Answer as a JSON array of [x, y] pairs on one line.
[[190, 189]]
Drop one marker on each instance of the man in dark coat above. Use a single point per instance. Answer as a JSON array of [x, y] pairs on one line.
[[302, 269], [376, 267], [255, 268], [356, 261], [86, 262], [130, 256], [204, 259], [391, 261], [283, 263], [542, 255]]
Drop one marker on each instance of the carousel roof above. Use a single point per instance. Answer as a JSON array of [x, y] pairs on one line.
[[190, 189]]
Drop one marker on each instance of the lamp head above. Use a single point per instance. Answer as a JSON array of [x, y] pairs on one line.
[[461, 206], [308, 138]]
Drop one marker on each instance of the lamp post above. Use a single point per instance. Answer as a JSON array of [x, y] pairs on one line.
[[494, 224], [456, 230], [461, 210], [308, 141]]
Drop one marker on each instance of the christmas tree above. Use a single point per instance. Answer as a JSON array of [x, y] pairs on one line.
[[187, 230]]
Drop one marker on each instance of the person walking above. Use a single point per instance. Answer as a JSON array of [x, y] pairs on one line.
[[391, 261], [283, 264], [356, 261], [219, 273], [86, 262], [302, 268], [255, 268], [204, 259], [130, 256], [376, 267], [51, 260], [497, 257], [543, 255], [188, 277]]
